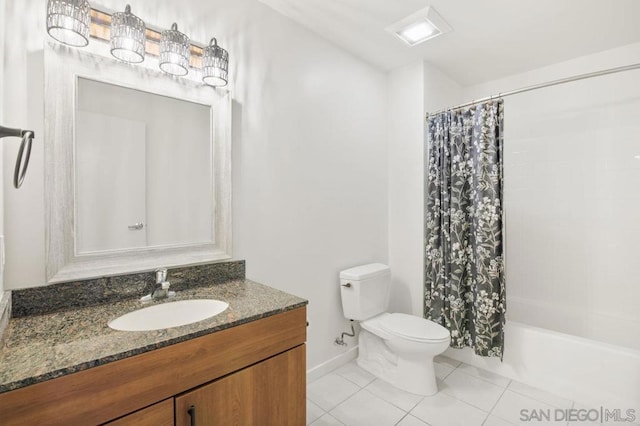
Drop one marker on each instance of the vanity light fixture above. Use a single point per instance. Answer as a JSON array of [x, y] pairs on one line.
[[215, 65], [127, 36], [174, 51], [419, 27], [68, 21], [73, 22]]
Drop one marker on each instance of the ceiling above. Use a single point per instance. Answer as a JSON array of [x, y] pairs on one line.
[[490, 38]]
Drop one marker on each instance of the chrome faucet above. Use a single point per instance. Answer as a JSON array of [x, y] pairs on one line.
[[161, 288]]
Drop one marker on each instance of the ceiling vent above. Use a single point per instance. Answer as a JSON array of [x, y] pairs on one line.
[[419, 27]]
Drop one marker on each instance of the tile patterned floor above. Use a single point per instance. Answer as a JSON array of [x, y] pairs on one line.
[[468, 396]]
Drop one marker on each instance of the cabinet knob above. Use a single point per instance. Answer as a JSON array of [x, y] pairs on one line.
[[192, 414]]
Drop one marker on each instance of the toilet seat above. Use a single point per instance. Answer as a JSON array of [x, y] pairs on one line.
[[413, 328]]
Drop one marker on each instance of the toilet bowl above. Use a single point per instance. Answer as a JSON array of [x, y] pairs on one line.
[[396, 347], [413, 341]]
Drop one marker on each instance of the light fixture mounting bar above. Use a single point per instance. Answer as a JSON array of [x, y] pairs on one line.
[[100, 29]]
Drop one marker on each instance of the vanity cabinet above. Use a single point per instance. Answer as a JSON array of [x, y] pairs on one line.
[[253, 373], [268, 393]]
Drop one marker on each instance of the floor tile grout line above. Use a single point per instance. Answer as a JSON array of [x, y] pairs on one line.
[[403, 417], [508, 386], [468, 403], [357, 384], [334, 417], [328, 414], [485, 380], [321, 409], [313, 421], [494, 407], [448, 374], [346, 399], [391, 402], [372, 394], [498, 416], [465, 402], [538, 400], [447, 364], [409, 414], [332, 408], [334, 371], [361, 389], [365, 387], [416, 404]]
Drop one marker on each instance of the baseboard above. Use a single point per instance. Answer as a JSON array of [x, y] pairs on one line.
[[330, 365]]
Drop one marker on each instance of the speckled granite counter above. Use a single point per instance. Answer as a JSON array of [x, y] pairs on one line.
[[42, 347]]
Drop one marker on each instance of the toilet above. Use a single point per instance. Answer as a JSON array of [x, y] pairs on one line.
[[395, 347]]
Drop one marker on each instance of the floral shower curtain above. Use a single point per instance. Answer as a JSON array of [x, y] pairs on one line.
[[464, 268]]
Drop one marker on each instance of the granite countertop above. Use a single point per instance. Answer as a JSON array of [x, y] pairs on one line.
[[42, 347]]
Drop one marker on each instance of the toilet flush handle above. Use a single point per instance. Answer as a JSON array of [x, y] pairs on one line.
[[346, 285]]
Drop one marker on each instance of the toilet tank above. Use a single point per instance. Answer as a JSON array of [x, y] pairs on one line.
[[365, 290]]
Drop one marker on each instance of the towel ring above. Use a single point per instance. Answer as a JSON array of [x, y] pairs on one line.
[[22, 162], [18, 175]]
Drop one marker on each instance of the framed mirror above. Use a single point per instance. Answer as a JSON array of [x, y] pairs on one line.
[[137, 166], [141, 179]]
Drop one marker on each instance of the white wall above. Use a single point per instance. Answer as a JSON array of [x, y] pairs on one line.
[[309, 152], [2, 47], [310, 168], [405, 144], [572, 169], [23, 97], [413, 90]]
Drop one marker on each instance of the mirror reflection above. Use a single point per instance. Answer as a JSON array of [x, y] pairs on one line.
[[143, 170]]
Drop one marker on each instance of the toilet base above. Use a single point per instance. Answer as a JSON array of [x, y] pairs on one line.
[[417, 376], [412, 374]]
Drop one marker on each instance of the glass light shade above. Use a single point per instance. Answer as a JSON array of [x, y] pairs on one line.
[[68, 21], [127, 36], [174, 51], [215, 65]]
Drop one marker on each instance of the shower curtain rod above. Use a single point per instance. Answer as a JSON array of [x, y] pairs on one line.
[[540, 86]]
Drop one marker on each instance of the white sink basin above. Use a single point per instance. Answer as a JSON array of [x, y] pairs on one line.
[[167, 315]]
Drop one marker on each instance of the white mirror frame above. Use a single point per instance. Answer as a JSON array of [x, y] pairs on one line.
[[63, 67]]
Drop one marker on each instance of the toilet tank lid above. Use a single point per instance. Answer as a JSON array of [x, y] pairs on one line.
[[364, 271]]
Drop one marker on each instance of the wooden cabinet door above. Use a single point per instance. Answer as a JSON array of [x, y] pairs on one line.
[[160, 414], [271, 392]]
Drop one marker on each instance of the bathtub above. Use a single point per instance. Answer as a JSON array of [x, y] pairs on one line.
[[589, 372]]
